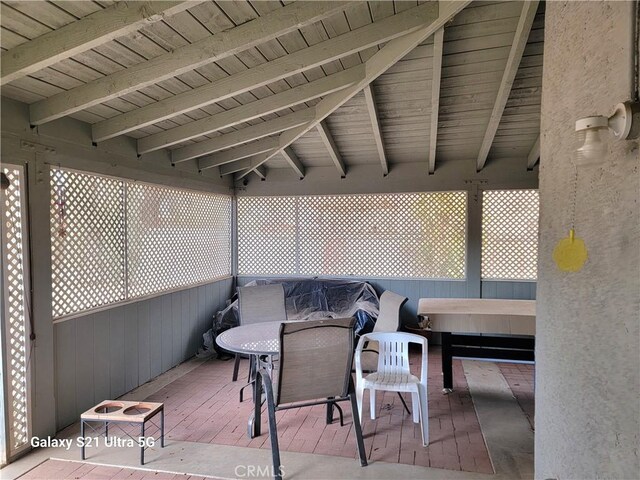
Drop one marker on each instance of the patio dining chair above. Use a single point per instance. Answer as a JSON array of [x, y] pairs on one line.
[[257, 304], [393, 374], [314, 368]]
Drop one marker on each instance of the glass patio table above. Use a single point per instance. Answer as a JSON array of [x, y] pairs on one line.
[[255, 339]]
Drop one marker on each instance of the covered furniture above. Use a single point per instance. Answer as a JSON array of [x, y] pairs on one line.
[[507, 329], [388, 321], [314, 368], [393, 374]]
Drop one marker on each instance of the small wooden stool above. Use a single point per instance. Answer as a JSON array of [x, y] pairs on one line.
[[113, 411]]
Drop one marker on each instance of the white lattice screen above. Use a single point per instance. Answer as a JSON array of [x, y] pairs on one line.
[[87, 241], [16, 313], [175, 238], [510, 234], [113, 240], [267, 232], [389, 235]]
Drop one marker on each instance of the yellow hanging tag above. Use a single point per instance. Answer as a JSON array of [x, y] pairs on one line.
[[570, 253]]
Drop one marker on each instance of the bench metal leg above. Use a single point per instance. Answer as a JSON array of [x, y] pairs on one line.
[[142, 446], [83, 439]]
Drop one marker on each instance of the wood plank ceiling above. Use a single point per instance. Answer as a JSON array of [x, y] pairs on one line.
[[248, 86]]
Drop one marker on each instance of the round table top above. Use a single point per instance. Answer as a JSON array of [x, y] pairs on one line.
[[254, 339]]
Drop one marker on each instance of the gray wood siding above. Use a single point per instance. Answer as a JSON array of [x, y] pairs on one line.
[[104, 355]]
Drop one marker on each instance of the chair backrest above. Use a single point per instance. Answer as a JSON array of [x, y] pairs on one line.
[[315, 359], [393, 351], [389, 317], [262, 303]]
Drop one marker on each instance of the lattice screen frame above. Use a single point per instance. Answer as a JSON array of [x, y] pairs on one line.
[[125, 185], [299, 219], [15, 325], [515, 213]]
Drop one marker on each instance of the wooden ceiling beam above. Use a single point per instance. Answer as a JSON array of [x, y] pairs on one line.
[[293, 161], [332, 148], [534, 154], [436, 76], [296, 62], [247, 164], [244, 135], [440, 13], [89, 32], [372, 108], [523, 29], [208, 50], [273, 103], [233, 154]]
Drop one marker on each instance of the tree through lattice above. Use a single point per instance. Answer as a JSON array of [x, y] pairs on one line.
[[87, 241], [15, 310], [420, 235], [510, 234]]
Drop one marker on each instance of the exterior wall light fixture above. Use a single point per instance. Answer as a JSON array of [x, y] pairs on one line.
[[624, 123]]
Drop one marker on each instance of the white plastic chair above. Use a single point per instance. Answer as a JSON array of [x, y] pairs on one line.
[[393, 374]]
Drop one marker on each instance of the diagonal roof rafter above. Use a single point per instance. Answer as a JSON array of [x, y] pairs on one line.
[[89, 32], [372, 109], [261, 75], [441, 13], [208, 50], [279, 101], [523, 29]]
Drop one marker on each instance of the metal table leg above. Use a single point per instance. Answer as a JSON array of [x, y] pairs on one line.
[[162, 428], [254, 420], [447, 363]]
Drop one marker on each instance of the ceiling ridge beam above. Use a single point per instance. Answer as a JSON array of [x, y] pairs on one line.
[[210, 49], [520, 38], [534, 154], [372, 108], [233, 154], [244, 164], [261, 75], [84, 34], [255, 132], [332, 148], [249, 111], [436, 77], [441, 13], [293, 161]]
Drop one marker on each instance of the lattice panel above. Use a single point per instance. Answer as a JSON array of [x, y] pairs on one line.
[[87, 241], [404, 235], [510, 234], [17, 344], [401, 235], [175, 238], [267, 235]]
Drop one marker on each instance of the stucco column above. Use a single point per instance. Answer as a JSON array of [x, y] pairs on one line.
[[588, 337]]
